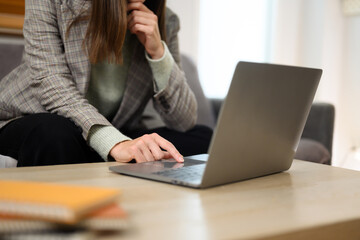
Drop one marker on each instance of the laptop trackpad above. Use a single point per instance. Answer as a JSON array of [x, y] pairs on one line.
[[157, 166]]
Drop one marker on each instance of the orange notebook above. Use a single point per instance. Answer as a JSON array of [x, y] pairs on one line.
[[54, 202]]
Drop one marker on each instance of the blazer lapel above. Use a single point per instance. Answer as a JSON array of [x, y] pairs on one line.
[[76, 6], [76, 55]]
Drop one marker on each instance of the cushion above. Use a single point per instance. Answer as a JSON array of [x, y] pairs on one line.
[[9, 63], [7, 162], [313, 151]]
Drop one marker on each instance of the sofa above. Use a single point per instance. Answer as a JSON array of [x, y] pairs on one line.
[[315, 144]]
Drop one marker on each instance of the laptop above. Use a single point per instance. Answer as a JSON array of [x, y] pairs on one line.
[[257, 134]]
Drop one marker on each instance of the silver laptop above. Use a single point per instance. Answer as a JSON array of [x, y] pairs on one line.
[[257, 134]]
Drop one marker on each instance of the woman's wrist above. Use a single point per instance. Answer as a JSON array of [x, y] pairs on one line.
[[161, 68], [159, 53], [103, 138]]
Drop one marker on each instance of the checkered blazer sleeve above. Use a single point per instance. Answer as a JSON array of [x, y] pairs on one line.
[[52, 83], [176, 103]]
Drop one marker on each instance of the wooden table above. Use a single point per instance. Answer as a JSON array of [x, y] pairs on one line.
[[310, 201]]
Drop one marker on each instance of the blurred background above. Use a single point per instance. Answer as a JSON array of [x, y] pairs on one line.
[[312, 33]]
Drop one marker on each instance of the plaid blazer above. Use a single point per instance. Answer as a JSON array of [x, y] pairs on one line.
[[54, 74]]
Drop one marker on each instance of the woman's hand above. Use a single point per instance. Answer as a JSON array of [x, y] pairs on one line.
[[144, 149], [144, 23]]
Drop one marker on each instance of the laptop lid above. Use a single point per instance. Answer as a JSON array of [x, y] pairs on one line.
[[261, 121]]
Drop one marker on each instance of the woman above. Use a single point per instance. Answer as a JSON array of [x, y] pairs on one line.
[[89, 69]]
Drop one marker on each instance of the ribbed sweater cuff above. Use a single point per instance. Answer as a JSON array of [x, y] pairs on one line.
[[161, 68], [103, 138]]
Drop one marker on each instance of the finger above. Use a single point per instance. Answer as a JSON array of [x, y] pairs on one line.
[[137, 28], [139, 157], [152, 147], [147, 30], [142, 145], [136, 153], [143, 20], [143, 14], [167, 155], [157, 152], [169, 147], [147, 154], [137, 6], [142, 17]]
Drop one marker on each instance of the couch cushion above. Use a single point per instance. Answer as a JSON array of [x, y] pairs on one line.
[[10, 57], [313, 151], [320, 124], [7, 162]]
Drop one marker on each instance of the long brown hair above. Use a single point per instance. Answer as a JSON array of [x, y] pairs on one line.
[[107, 27]]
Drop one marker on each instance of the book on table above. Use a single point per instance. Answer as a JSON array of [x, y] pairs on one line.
[[59, 203]]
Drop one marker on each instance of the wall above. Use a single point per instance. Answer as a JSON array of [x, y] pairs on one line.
[[350, 110], [318, 34], [188, 12], [230, 32], [306, 33]]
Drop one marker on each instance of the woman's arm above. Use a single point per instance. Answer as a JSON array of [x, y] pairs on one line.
[[176, 102], [53, 85]]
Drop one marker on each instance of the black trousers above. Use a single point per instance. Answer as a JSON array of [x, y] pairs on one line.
[[50, 139]]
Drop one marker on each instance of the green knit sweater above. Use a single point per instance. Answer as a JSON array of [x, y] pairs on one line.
[[106, 89]]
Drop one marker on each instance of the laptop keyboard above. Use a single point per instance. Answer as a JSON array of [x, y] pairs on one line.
[[192, 173]]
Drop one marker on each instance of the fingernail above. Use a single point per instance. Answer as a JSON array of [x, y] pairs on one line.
[[181, 159]]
